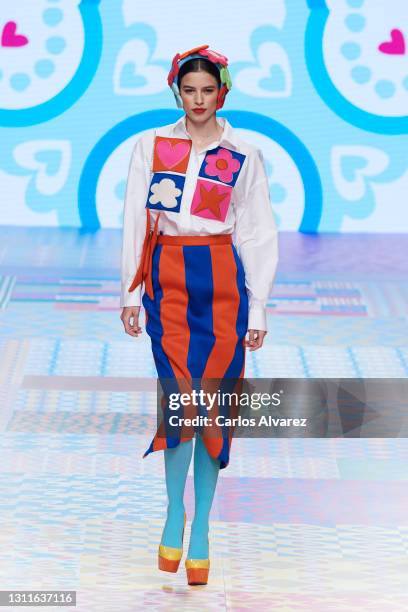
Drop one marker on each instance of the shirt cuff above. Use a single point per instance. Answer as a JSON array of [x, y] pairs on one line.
[[257, 318], [133, 298]]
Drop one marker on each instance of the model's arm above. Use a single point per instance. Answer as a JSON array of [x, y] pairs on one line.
[[256, 238], [134, 223]]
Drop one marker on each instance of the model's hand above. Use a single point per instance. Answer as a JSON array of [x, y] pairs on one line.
[[256, 338], [128, 313]]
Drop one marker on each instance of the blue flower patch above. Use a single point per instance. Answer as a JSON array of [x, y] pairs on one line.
[[165, 191], [223, 165]]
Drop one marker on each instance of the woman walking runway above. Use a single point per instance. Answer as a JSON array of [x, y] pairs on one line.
[[200, 236]]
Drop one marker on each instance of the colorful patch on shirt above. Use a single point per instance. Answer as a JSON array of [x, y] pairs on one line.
[[165, 191], [211, 200], [171, 154], [221, 164]]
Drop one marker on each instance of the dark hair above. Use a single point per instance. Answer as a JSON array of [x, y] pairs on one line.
[[196, 65]]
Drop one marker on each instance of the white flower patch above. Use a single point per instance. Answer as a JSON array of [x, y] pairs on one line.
[[165, 193]]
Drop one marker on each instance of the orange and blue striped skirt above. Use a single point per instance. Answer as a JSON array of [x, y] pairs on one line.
[[197, 319]]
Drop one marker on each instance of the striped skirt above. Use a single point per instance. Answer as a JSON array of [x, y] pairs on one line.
[[197, 319]]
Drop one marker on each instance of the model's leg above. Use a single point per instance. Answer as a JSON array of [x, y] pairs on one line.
[[206, 471], [177, 461]]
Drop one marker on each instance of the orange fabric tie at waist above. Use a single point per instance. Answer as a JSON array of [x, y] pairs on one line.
[[144, 271]]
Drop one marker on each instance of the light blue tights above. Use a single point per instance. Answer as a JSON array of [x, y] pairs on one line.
[[206, 470]]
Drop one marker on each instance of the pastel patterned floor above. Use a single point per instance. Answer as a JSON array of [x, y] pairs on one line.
[[297, 524]]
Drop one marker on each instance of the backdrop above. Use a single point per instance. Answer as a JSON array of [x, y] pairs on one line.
[[321, 86]]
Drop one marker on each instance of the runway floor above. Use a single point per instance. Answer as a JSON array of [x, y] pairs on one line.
[[297, 524]]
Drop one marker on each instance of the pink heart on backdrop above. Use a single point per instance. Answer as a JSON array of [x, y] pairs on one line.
[[395, 46], [9, 38], [171, 155]]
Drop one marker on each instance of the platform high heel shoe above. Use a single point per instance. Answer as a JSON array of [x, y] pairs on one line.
[[197, 571], [169, 557]]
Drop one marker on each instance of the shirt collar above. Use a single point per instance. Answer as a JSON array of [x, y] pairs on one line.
[[227, 136]]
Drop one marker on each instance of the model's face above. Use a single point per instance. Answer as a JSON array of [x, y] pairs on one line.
[[199, 90]]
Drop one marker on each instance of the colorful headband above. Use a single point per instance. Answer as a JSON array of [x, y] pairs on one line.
[[204, 52]]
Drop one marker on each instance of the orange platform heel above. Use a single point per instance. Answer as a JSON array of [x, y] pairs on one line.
[[197, 571], [169, 557]]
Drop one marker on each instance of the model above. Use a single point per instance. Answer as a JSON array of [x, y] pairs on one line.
[[200, 236]]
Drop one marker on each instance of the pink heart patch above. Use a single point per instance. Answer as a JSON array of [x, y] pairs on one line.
[[9, 38], [171, 155], [395, 46]]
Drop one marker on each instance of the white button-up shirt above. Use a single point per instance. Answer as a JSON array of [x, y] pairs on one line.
[[249, 216]]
